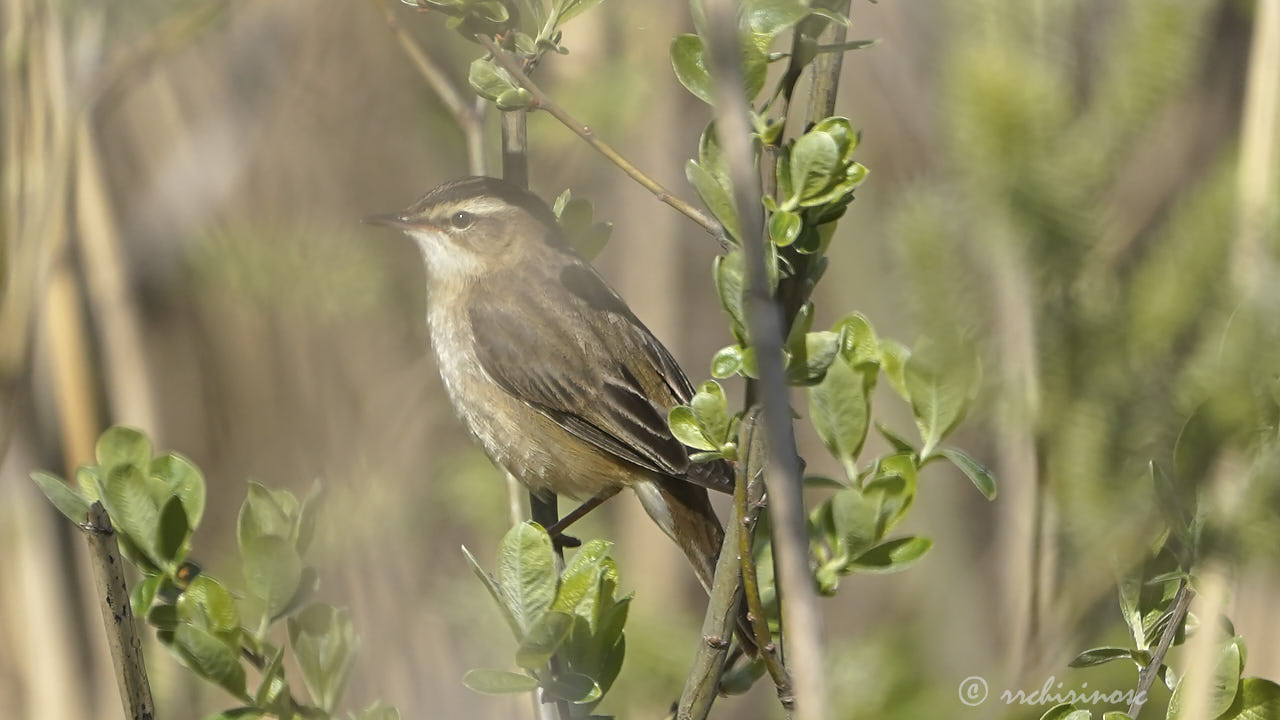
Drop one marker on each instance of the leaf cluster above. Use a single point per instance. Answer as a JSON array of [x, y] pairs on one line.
[[155, 503], [529, 28], [568, 625], [1148, 607]]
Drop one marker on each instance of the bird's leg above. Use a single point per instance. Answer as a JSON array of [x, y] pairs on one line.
[[556, 531]]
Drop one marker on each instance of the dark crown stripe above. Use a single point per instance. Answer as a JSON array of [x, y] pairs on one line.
[[480, 186]]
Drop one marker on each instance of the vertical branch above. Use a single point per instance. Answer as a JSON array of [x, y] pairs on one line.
[[544, 511], [734, 578], [825, 70], [782, 471], [469, 118], [515, 147], [117, 617], [703, 682]]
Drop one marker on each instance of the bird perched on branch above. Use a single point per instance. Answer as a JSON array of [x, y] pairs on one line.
[[550, 370]]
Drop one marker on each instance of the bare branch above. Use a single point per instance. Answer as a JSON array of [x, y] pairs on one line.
[[703, 681], [1178, 612], [117, 616], [802, 620]]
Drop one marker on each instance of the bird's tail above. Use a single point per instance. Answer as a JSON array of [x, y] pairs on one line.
[[684, 513]]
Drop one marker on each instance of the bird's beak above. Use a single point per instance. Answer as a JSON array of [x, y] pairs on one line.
[[391, 220]]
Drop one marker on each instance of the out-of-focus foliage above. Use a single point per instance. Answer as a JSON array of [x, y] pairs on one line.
[[1058, 177], [155, 504]]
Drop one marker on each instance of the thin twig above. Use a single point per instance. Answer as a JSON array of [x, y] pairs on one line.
[[703, 681], [468, 117], [1181, 601], [731, 574], [803, 638], [542, 102], [745, 513], [117, 616]]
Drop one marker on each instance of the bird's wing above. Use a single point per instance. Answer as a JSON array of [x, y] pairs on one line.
[[580, 357]]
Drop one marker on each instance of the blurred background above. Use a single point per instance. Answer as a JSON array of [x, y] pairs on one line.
[[1088, 187]]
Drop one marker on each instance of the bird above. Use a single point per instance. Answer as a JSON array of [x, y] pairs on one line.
[[549, 369]]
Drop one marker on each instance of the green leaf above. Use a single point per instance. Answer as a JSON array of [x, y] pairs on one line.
[[859, 344], [814, 159], [1223, 687], [543, 639], [513, 99], [574, 8], [575, 215], [848, 45], [896, 479], [855, 517], [210, 658], [729, 273], [1256, 699], [69, 502], [1115, 715], [711, 156], [266, 513], [185, 481], [770, 17], [977, 474], [684, 426], [812, 357], [491, 584], [892, 556], [755, 62], [272, 687], [893, 358], [324, 644], [688, 57], [88, 478], [527, 573], [207, 604], [172, 532], [272, 571], [144, 595], [1066, 711], [1130, 591], [574, 687], [488, 80], [1099, 656], [498, 682], [579, 577], [132, 509], [716, 195], [839, 410], [784, 227], [121, 445], [726, 362], [738, 680], [305, 526], [938, 400], [711, 411]]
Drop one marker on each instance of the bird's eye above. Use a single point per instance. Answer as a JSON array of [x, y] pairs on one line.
[[462, 220]]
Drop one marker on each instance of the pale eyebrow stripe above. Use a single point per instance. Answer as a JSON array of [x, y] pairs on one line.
[[479, 206]]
